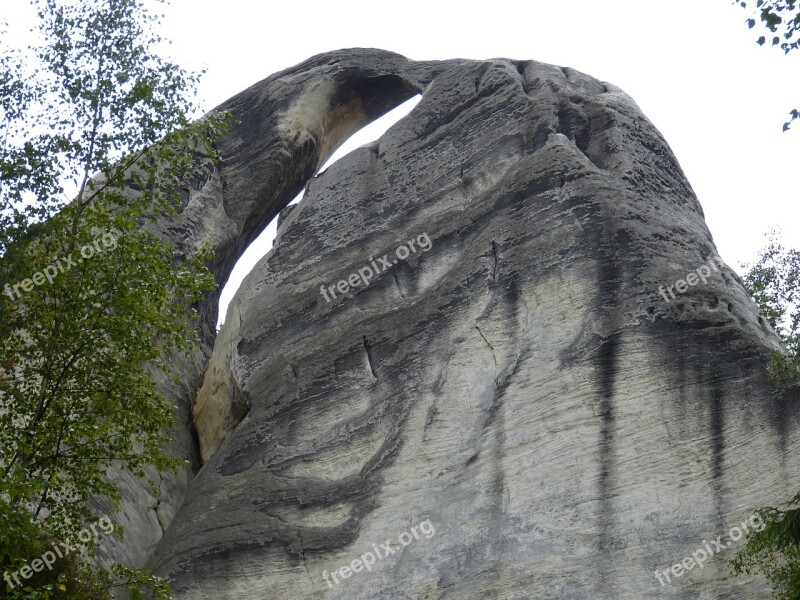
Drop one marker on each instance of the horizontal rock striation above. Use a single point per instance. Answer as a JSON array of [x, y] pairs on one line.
[[513, 376]]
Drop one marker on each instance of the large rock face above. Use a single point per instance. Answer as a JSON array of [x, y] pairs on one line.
[[285, 128], [509, 408]]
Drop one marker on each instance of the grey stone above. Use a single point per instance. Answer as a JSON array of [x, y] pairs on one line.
[[284, 129], [521, 384]]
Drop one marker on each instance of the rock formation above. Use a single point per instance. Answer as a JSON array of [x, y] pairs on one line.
[[513, 380], [285, 128]]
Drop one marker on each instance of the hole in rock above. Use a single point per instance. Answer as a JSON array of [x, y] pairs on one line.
[[263, 243]]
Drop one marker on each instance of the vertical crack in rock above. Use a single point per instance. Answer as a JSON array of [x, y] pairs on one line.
[[158, 505], [303, 558], [494, 254], [369, 358], [494, 356], [398, 286]]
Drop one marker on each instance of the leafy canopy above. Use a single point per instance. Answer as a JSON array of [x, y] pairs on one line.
[[774, 284], [781, 20], [96, 141]]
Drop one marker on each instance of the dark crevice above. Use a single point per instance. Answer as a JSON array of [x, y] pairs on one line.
[[368, 354], [520, 66], [494, 254], [488, 344], [399, 288]]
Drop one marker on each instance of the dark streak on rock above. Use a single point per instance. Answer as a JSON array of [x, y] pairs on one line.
[[609, 281]]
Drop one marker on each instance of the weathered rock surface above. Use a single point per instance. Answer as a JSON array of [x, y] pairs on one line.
[[286, 127], [520, 383]]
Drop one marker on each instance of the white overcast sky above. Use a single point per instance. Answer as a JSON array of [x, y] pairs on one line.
[[692, 66]]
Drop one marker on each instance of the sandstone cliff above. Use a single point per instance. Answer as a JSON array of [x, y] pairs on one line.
[[515, 379]]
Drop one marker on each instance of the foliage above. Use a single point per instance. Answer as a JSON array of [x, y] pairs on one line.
[[775, 551], [94, 301], [781, 19], [774, 284], [71, 578]]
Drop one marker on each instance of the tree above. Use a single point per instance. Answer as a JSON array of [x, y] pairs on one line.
[[92, 300], [774, 284], [781, 19], [775, 550]]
